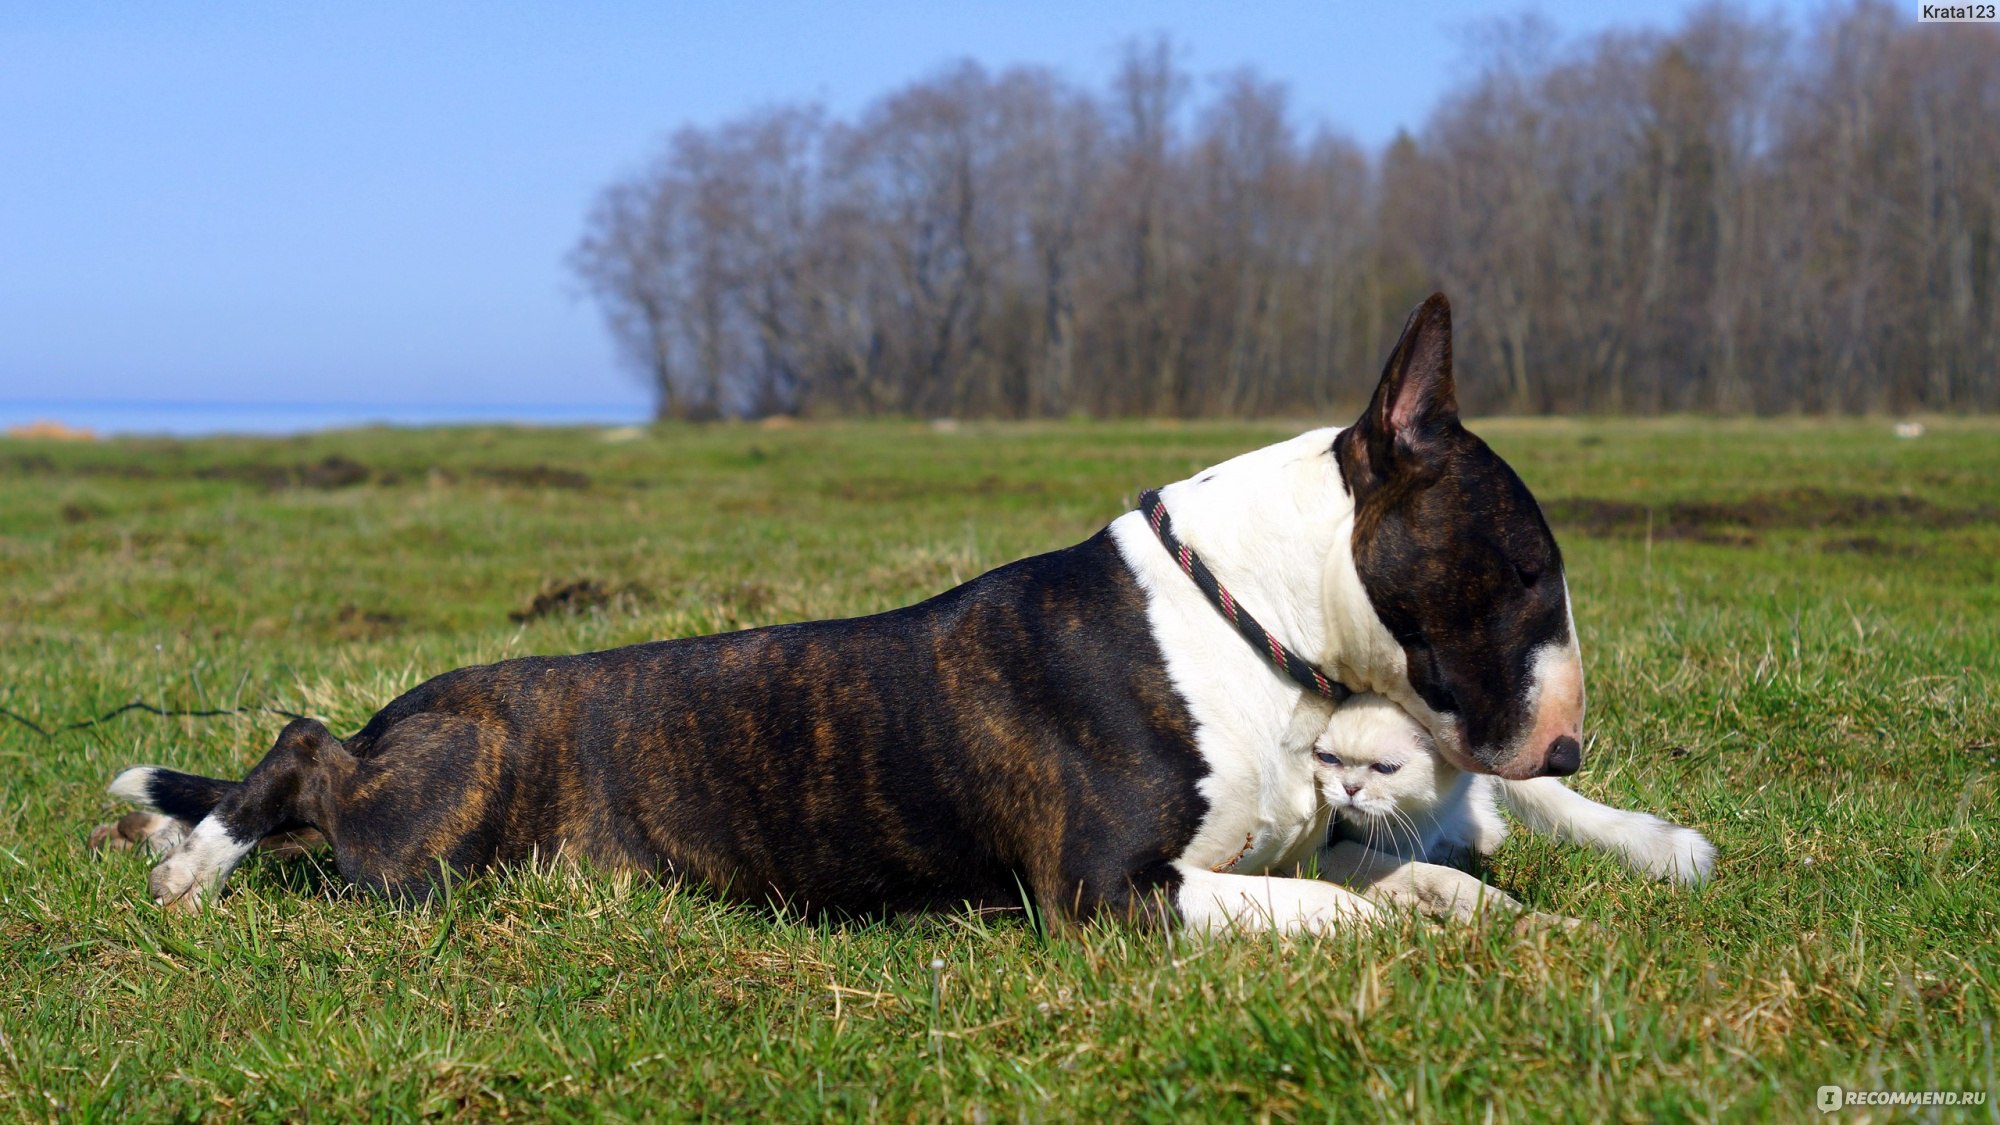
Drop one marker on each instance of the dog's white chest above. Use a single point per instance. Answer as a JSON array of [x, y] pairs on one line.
[[1258, 825], [1264, 810], [1254, 727]]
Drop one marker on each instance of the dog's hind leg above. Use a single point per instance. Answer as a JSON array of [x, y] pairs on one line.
[[145, 828], [170, 803], [290, 789]]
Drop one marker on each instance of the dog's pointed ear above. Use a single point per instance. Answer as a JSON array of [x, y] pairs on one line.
[[1417, 401]]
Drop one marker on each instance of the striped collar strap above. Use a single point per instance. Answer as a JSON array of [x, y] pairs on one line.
[[1260, 638]]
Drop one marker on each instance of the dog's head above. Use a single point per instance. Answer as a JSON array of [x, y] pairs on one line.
[[1459, 566]]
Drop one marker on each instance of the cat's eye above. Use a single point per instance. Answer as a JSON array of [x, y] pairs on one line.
[[1386, 768], [1328, 759]]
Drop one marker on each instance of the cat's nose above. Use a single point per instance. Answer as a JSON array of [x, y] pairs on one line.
[[1351, 789]]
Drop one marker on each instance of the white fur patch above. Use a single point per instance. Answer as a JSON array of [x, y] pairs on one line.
[[1214, 903], [134, 786], [1556, 698], [195, 870], [1264, 522]]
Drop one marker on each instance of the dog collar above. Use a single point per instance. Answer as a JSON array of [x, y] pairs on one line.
[[1260, 638]]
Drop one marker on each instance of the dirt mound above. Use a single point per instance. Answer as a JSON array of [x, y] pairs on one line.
[[578, 595], [533, 476], [1737, 522], [329, 472]]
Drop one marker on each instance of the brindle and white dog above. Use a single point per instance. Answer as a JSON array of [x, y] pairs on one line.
[[1081, 729]]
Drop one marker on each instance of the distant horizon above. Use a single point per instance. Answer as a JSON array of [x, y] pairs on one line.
[[305, 403], [211, 418]]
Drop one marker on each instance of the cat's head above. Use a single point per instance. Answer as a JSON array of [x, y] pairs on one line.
[[1375, 762]]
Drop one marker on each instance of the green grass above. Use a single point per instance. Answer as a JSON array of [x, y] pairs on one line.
[[1807, 679]]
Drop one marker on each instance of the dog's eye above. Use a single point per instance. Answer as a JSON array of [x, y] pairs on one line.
[[1386, 768], [1328, 759], [1529, 575]]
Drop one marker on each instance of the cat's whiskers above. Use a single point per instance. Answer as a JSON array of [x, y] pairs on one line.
[[1378, 829], [1402, 821]]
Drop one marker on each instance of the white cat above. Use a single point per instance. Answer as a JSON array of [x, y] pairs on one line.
[[1396, 802]]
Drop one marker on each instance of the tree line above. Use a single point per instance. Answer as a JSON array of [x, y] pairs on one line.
[[1729, 216]]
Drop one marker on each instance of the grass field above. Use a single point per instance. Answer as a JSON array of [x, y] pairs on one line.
[[1791, 632]]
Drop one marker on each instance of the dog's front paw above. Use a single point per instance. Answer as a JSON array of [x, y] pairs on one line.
[[1685, 857]]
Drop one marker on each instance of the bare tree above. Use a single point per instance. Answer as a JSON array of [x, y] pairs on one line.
[[1715, 217]]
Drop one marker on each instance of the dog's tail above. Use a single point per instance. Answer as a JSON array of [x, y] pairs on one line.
[[1646, 843], [182, 796]]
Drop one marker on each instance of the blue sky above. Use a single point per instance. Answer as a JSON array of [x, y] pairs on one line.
[[370, 203]]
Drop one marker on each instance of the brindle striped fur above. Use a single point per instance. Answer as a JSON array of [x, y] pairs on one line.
[[1016, 733]]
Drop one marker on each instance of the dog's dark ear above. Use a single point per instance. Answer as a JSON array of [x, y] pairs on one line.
[[1416, 402]]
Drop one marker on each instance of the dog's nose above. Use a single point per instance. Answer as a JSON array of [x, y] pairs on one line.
[[1565, 757], [1351, 789]]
